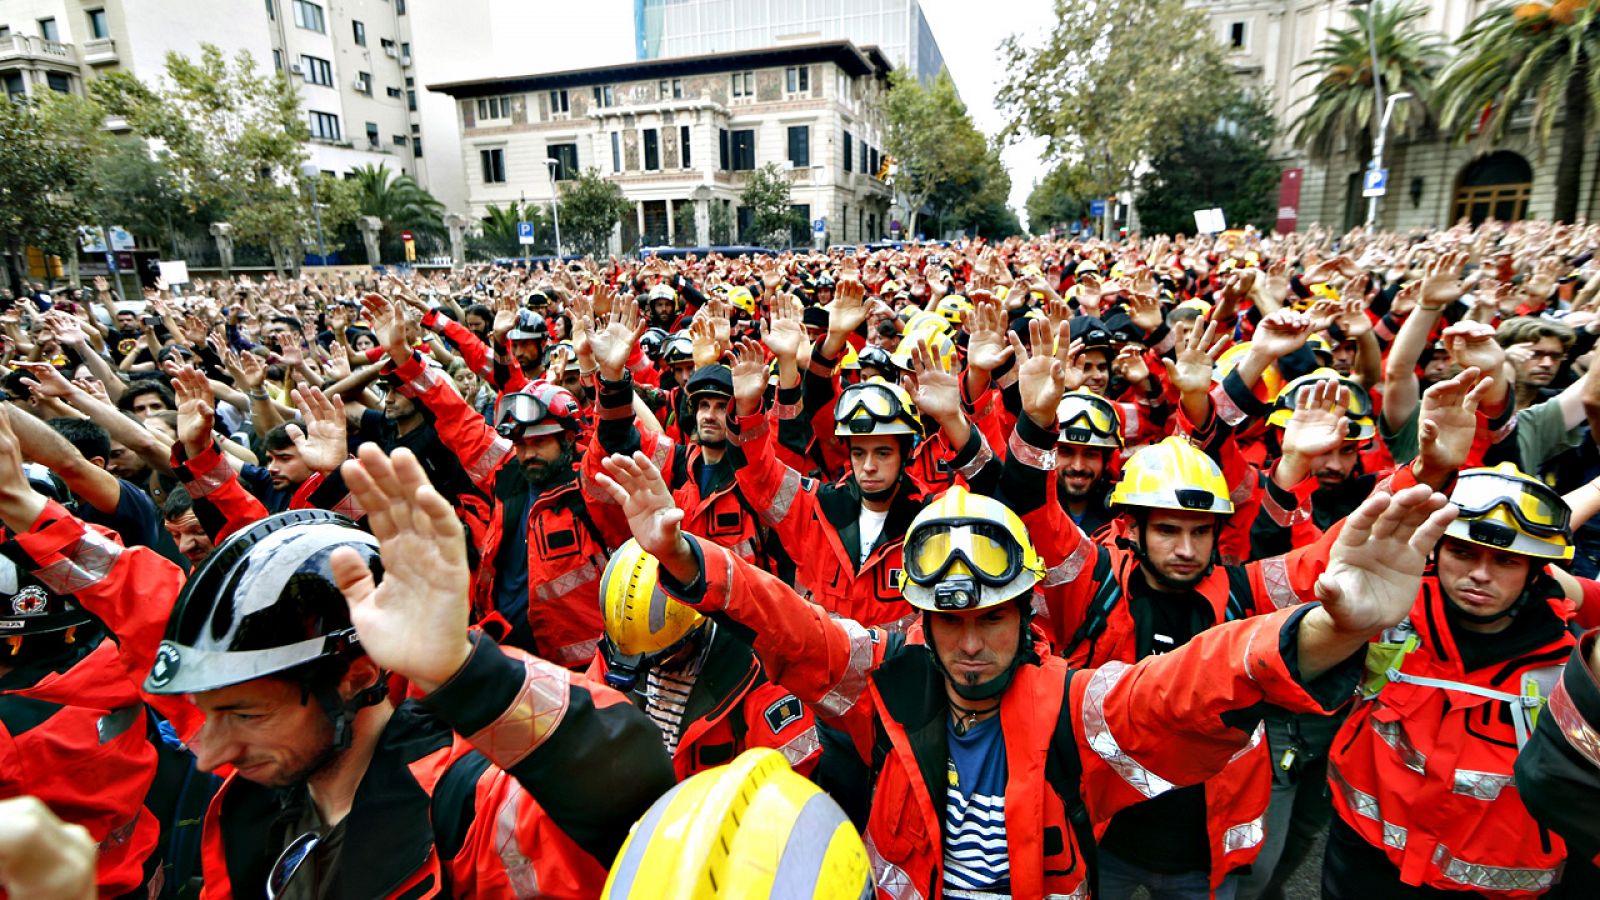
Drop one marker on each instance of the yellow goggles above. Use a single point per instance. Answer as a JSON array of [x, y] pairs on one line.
[[987, 551]]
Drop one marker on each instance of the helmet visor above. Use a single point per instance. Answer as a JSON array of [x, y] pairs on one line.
[[987, 550], [516, 412], [1359, 406], [1537, 508], [862, 405], [1087, 420]]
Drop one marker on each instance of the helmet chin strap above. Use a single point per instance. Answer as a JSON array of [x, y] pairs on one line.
[[1455, 611], [880, 496], [341, 712], [1162, 577], [994, 687]]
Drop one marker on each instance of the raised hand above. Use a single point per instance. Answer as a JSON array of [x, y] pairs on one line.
[[1041, 377], [42, 857], [415, 623], [986, 334], [613, 345], [1441, 286], [749, 377], [1448, 423], [1144, 304], [1129, 365], [784, 334], [1191, 372], [1281, 333], [635, 484], [704, 340], [1472, 345], [1319, 424], [322, 443], [196, 409], [46, 381], [938, 393], [847, 312], [1375, 569], [389, 325], [247, 369]]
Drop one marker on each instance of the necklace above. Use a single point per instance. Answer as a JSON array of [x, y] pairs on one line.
[[969, 717]]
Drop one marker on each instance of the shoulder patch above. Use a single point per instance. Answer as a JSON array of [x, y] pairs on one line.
[[784, 713]]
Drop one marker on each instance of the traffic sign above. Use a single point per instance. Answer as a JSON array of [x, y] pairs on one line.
[[819, 225], [524, 232], [1097, 207], [1375, 182]]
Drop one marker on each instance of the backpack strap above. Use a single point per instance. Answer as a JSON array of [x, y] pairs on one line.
[[1064, 773], [454, 803]]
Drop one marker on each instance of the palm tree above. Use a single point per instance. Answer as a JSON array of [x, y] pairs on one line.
[[402, 203], [1343, 104], [1549, 54]]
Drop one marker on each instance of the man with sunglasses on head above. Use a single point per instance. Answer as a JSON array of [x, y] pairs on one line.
[[1090, 437]]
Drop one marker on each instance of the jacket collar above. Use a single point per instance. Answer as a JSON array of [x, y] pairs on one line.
[[841, 506]]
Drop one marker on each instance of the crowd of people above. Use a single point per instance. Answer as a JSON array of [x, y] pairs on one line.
[[1034, 568]]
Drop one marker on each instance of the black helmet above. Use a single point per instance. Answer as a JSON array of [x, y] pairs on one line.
[[876, 357], [530, 327], [678, 349], [715, 380], [651, 342], [27, 607], [824, 282], [264, 603]]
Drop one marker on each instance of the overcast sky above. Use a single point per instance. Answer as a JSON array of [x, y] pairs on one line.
[[598, 32]]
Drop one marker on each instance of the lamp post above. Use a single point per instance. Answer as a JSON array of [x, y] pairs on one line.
[[311, 172], [1383, 106], [1377, 148], [555, 213]]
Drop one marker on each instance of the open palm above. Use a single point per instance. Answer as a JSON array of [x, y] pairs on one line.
[[1375, 568]]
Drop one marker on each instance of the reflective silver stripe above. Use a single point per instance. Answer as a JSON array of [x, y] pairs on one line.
[[1492, 878], [783, 412], [426, 380], [83, 564], [1246, 836], [983, 457], [843, 696], [1365, 805], [892, 879], [1008, 379], [1068, 569], [534, 715], [1029, 455], [1394, 734], [1283, 516], [569, 582], [743, 436], [1240, 493], [662, 454], [801, 746], [481, 468], [1104, 743], [1130, 419], [204, 483], [1227, 410], [349, 506], [519, 868], [782, 498], [572, 654], [745, 550], [1275, 575], [1482, 785], [1579, 733], [1256, 737]]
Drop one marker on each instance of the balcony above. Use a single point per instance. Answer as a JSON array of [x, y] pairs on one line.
[[100, 51], [22, 48]]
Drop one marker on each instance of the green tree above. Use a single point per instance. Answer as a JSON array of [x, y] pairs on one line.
[[339, 204], [42, 169], [1222, 164], [773, 219], [979, 203], [138, 192], [1063, 196], [497, 232], [402, 203], [1343, 104], [591, 207], [1532, 51], [721, 225], [231, 135], [936, 148], [683, 225], [1113, 82]]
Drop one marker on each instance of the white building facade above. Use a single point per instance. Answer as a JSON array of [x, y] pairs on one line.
[[684, 134]]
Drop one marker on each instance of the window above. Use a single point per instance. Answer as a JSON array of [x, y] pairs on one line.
[[864, 169], [683, 146], [47, 30], [671, 89], [394, 93], [602, 95], [1236, 35], [372, 134], [61, 84], [559, 104], [324, 126], [616, 151], [722, 150], [490, 108], [360, 29], [399, 140], [416, 146], [308, 15], [873, 158], [277, 59], [799, 145], [742, 147], [411, 100], [364, 82], [847, 152], [493, 162], [800, 225], [400, 10], [272, 10], [98, 28], [844, 224], [5, 31], [317, 70], [405, 50], [797, 79], [388, 46], [566, 157], [744, 84], [16, 89], [652, 150]]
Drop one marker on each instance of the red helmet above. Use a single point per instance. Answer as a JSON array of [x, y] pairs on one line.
[[540, 408]]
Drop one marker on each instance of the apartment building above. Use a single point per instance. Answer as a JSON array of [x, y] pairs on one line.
[[685, 133]]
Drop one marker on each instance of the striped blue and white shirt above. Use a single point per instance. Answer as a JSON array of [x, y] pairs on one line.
[[975, 813]]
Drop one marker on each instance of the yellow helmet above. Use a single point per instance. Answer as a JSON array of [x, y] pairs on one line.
[[874, 407], [1195, 303], [954, 308], [1505, 509], [924, 322], [941, 346], [1173, 474], [641, 622], [1358, 409], [740, 297], [753, 828], [851, 361], [966, 551], [1088, 420], [1271, 378]]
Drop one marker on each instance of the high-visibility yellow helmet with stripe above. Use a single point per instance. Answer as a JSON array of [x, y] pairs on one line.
[[941, 346], [1173, 474], [954, 309], [923, 322], [1358, 406], [1088, 420], [875, 406], [967, 551], [753, 828], [1271, 379], [1506, 509], [640, 619]]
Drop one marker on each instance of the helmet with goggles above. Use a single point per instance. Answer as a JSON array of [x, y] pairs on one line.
[[1173, 474], [875, 407], [1506, 509], [965, 551], [741, 299], [678, 349], [1087, 419], [1358, 406], [539, 409], [642, 624]]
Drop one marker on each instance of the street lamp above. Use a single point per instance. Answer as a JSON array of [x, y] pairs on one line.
[[555, 214], [1383, 106], [311, 173]]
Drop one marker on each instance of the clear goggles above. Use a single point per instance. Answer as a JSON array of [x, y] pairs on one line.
[[866, 403], [1537, 508], [517, 411]]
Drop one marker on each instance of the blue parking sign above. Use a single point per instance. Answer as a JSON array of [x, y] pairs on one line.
[[524, 232], [1097, 207]]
